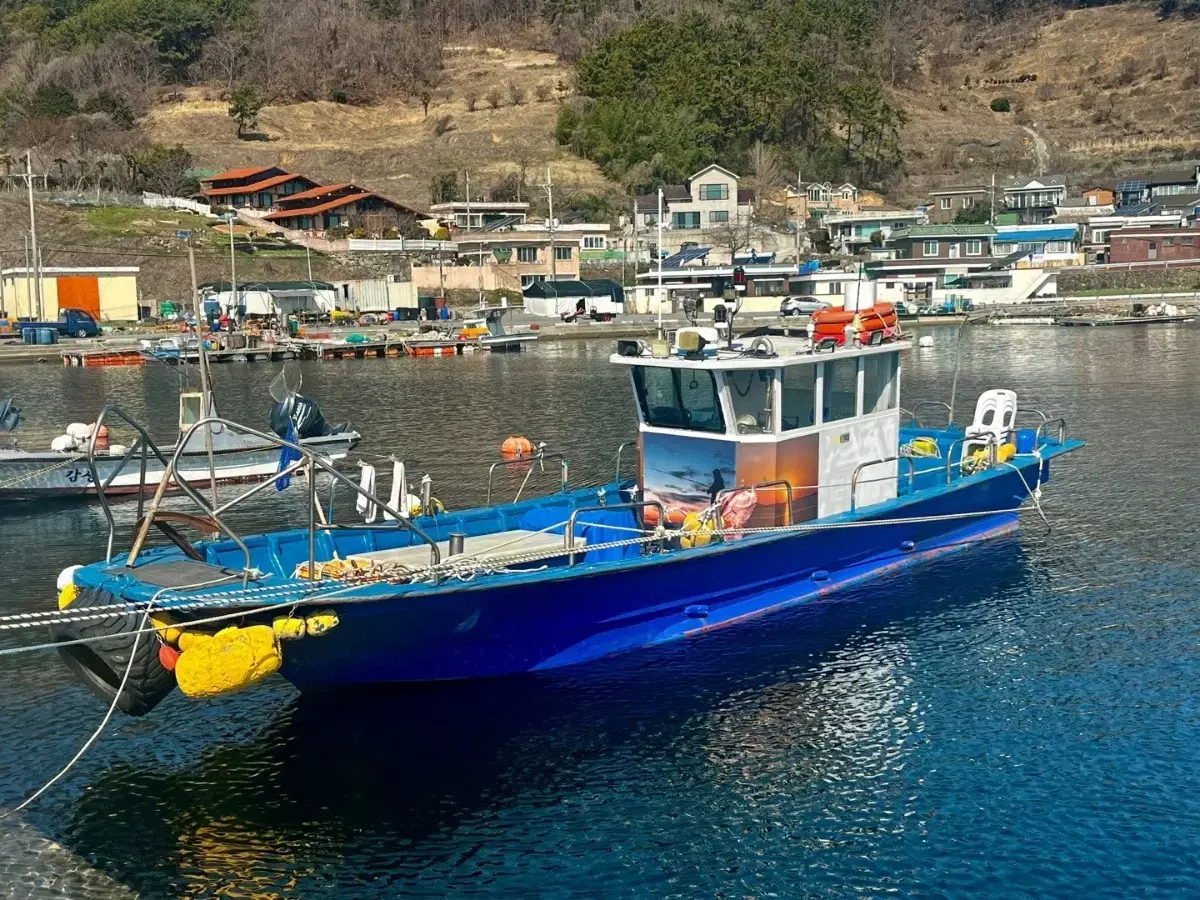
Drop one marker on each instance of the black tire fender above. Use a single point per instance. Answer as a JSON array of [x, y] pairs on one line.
[[101, 663]]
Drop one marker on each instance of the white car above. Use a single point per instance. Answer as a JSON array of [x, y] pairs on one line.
[[801, 305]]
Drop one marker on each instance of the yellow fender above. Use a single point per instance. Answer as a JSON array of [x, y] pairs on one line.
[[319, 623], [67, 596], [288, 628], [166, 628], [697, 530], [1005, 452], [232, 659]]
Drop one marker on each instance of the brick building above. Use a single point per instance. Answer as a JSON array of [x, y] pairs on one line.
[[1148, 245]]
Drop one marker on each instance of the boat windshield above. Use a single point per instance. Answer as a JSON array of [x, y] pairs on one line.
[[678, 398], [751, 391]]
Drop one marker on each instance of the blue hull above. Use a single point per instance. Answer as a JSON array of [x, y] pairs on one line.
[[544, 620]]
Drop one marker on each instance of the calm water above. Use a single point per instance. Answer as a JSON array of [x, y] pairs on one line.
[[1017, 720]]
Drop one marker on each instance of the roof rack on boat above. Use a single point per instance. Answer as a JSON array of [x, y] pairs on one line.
[[306, 459]]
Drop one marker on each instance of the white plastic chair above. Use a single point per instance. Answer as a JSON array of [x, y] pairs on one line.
[[994, 415]]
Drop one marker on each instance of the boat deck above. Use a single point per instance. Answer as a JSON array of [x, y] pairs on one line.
[[483, 547]]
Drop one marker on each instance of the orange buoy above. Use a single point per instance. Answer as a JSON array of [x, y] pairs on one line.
[[101, 436], [832, 316], [516, 448]]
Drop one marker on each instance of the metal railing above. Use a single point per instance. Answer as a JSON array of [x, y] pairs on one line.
[[145, 444], [569, 533], [1040, 434], [620, 451], [538, 458], [763, 485], [914, 419], [912, 474], [307, 459], [988, 440]]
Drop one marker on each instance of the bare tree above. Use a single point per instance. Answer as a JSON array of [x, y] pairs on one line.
[[766, 172]]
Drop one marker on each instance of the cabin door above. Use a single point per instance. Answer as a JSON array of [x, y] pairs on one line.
[[80, 292]]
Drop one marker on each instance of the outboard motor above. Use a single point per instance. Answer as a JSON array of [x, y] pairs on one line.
[[303, 412]]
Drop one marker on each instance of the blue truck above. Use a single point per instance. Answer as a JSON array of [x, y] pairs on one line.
[[71, 322]]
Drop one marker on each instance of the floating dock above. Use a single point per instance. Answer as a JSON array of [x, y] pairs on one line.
[[1124, 320]]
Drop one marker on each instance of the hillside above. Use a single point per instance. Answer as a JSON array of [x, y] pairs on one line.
[[392, 147], [1116, 88]]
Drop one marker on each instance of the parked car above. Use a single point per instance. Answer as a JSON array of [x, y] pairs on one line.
[[801, 305]]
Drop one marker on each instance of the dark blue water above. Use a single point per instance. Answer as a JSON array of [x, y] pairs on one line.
[[1016, 720]]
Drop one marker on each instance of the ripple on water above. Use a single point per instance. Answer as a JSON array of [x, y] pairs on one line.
[[1015, 720]]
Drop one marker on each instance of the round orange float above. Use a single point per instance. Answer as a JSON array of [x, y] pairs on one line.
[[516, 448]]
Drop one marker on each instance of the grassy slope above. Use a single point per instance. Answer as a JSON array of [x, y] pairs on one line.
[[1089, 116], [392, 147]]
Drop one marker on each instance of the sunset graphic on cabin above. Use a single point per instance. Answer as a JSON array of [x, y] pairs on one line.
[[684, 474]]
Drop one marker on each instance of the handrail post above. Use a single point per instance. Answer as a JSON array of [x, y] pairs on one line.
[[312, 522]]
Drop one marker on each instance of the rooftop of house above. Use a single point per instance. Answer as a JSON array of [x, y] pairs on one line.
[[1028, 183], [318, 208], [1178, 201], [451, 206], [952, 230], [1151, 231], [245, 172], [256, 186], [961, 189], [1021, 233]]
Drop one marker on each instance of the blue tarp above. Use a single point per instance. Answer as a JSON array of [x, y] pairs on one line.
[[591, 526]]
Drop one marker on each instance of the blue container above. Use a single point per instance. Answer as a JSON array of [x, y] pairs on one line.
[[47, 336], [1026, 440], [29, 335]]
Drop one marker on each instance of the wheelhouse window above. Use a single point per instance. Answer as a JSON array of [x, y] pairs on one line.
[[840, 395], [799, 398], [879, 382], [679, 398], [752, 391]]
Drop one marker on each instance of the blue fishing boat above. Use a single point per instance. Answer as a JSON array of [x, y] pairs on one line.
[[772, 470]]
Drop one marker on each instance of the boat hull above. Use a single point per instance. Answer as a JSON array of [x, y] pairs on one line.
[[30, 476], [539, 622]]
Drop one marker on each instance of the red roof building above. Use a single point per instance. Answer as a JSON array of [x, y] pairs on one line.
[[259, 188], [330, 206]]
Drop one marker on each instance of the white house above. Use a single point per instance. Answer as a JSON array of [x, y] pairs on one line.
[[1044, 245], [852, 231]]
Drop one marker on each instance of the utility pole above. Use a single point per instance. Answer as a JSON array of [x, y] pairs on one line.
[[637, 252], [799, 206], [229, 220], [28, 280], [992, 215], [658, 253], [549, 186], [33, 235], [308, 258]]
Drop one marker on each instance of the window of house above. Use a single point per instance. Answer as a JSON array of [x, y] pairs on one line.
[[752, 392], [714, 192], [890, 285], [678, 398], [840, 393], [686, 220], [968, 202], [974, 247], [931, 248], [1187, 241], [717, 216], [527, 254], [835, 287], [562, 252], [1056, 246], [799, 398], [652, 220], [814, 194], [592, 242], [768, 287], [1170, 242], [879, 382], [944, 202]]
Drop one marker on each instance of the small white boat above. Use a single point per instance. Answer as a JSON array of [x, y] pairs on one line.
[[31, 474]]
